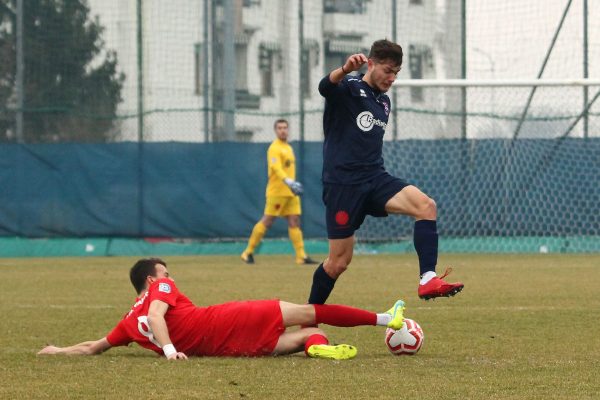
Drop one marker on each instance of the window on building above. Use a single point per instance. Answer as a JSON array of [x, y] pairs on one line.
[[265, 66], [241, 62], [334, 60], [310, 57], [420, 60], [337, 51], [241, 71], [345, 6], [269, 60], [243, 98]]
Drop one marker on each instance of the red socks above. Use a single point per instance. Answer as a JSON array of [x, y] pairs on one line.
[[344, 316], [338, 315], [315, 339]]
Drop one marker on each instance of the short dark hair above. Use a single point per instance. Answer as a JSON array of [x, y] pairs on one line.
[[281, 121], [140, 271], [385, 50]]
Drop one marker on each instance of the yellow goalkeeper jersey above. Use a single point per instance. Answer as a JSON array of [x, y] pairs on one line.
[[281, 163]]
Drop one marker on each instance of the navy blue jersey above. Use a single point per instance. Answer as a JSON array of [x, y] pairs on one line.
[[354, 123]]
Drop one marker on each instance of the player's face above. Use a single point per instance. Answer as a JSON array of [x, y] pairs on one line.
[[383, 74], [162, 272], [281, 130]]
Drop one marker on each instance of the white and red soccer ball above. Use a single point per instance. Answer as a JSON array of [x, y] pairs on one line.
[[405, 341]]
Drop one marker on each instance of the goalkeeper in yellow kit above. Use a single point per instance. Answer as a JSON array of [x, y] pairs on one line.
[[282, 194]]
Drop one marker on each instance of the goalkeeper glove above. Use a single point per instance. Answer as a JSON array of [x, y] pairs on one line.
[[295, 187]]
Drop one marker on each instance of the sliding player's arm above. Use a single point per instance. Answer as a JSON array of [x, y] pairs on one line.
[[158, 325], [88, 348]]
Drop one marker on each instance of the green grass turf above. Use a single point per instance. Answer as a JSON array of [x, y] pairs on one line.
[[525, 327]]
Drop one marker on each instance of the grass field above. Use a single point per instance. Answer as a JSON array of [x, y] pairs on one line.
[[525, 327]]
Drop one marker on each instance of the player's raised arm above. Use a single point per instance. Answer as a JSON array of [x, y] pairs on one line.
[[353, 63], [158, 325], [89, 348]]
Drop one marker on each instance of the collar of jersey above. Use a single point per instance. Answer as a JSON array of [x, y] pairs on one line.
[[376, 93]]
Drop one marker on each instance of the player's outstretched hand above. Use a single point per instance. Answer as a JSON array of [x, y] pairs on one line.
[[49, 350], [177, 356], [354, 62], [295, 187]]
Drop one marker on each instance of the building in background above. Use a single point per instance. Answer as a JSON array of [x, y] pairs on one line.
[[269, 75]]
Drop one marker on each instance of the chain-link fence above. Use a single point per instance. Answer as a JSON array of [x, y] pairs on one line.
[[207, 73], [223, 70]]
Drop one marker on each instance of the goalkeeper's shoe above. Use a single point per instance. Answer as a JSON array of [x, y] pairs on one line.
[[305, 261], [248, 258], [338, 352], [397, 313], [437, 287]]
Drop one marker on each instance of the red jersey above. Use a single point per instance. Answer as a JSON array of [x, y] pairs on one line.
[[248, 328]]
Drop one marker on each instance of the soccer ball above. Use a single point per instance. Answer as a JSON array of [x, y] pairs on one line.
[[405, 341]]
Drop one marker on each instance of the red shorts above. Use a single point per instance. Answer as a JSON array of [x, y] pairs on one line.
[[241, 328]]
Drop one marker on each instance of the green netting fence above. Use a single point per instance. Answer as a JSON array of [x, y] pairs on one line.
[[133, 119]]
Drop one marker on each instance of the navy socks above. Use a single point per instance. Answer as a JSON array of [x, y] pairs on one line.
[[425, 238], [321, 287]]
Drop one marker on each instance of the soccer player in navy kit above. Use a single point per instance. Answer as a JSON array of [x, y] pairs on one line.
[[355, 183]]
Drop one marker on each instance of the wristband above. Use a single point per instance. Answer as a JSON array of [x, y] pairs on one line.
[[169, 350], [344, 70]]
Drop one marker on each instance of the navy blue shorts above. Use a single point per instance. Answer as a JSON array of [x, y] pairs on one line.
[[346, 206]]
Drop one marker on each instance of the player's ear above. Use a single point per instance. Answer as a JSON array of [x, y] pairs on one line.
[[150, 280]]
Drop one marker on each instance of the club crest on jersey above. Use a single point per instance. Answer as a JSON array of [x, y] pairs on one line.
[[365, 121], [386, 107], [164, 287], [362, 93]]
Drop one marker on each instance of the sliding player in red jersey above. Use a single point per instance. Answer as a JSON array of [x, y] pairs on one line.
[[165, 321]]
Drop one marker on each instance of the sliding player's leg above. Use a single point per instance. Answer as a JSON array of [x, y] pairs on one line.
[[339, 315], [315, 344]]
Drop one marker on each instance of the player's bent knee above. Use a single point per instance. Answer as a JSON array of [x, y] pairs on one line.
[[336, 268], [308, 332], [433, 207], [267, 222], [428, 209], [293, 221]]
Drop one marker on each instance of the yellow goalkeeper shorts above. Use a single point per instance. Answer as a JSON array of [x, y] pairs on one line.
[[282, 206]]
